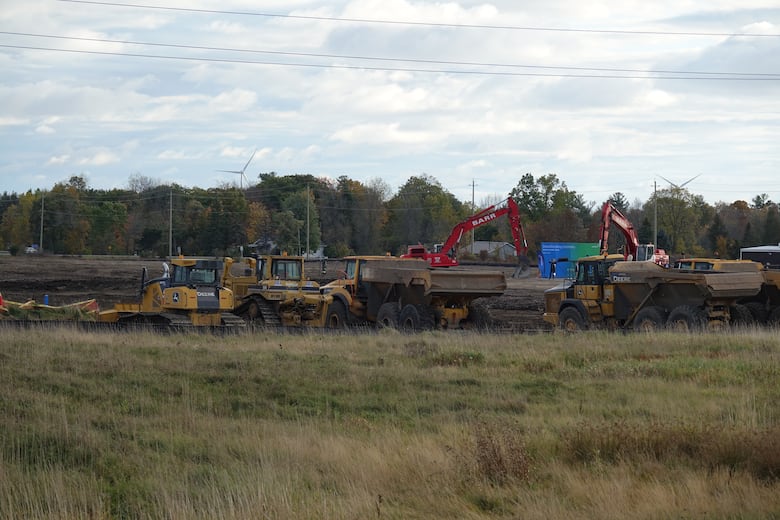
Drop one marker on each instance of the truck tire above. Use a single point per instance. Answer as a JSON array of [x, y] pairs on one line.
[[650, 319], [336, 317], [740, 316], [571, 320], [774, 317], [416, 317], [387, 317], [479, 316], [759, 312], [686, 318]]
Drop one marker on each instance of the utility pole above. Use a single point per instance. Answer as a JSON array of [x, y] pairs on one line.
[[473, 210], [655, 215], [170, 224], [43, 203], [307, 221]]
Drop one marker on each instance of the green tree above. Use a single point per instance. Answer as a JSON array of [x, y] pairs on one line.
[[225, 217], [422, 212], [538, 199], [761, 201], [301, 205], [620, 202], [258, 222], [273, 189], [718, 236], [683, 217], [771, 234], [287, 229], [66, 218], [16, 224], [107, 225]]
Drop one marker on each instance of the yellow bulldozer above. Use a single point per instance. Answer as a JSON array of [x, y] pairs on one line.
[[189, 295]]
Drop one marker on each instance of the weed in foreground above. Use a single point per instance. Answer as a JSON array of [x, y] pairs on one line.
[[495, 454], [756, 452]]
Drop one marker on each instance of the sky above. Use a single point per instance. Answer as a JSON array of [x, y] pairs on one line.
[[608, 96]]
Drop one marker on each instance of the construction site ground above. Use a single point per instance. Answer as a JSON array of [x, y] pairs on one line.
[[114, 279]]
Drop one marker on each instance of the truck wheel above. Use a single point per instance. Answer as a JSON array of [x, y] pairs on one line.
[[479, 316], [650, 319], [387, 317], [758, 310], [774, 317], [686, 318], [416, 317], [336, 317], [740, 316], [571, 320]]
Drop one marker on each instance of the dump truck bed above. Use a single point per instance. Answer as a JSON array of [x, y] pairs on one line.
[[716, 285], [436, 282], [472, 282]]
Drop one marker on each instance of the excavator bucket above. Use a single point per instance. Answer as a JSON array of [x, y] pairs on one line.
[[523, 269]]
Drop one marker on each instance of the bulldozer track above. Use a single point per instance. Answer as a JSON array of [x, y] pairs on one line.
[[268, 314], [232, 326]]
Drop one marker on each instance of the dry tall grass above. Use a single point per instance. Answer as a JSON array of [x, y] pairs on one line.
[[389, 426]]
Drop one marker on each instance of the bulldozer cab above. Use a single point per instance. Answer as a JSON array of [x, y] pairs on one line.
[[286, 269], [201, 272]]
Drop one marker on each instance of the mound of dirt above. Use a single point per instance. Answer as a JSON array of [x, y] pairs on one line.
[[111, 280]]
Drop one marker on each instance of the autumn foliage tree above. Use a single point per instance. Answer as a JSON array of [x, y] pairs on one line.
[[349, 216]]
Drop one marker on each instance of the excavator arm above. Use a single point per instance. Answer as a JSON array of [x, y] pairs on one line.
[[506, 207], [611, 215]]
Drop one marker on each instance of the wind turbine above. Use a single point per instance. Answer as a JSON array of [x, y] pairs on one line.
[[680, 186], [242, 170]]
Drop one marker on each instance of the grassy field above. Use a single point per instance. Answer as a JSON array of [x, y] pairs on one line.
[[389, 426]]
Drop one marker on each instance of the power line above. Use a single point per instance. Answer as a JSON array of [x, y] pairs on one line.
[[381, 58], [723, 77], [413, 23]]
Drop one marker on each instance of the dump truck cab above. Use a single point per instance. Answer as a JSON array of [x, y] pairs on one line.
[[590, 293]]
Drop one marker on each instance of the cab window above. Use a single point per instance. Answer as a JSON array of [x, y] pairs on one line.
[[183, 276], [349, 268], [287, 269]]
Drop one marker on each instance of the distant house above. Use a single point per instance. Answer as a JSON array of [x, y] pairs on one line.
[[767, 255]]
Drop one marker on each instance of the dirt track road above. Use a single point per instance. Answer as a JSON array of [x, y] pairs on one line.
[[110, 280]]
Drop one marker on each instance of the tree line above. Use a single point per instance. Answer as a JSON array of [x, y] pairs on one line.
[[299, 213]]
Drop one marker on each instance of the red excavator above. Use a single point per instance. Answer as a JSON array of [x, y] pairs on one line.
[[445, 256], [633, 250]]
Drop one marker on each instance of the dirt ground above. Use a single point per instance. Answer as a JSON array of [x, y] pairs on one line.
[[111, 280]]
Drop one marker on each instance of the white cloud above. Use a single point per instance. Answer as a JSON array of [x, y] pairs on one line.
[[58, 160], [180, 120], [100, 158]]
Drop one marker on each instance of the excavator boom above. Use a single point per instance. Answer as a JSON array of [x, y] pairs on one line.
[[446, 256], [634, 250]]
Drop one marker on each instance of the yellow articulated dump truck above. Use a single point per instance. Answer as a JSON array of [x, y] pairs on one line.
[[611, 293], [188, 296], [759, 309], [406, 293], [371, 291]]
